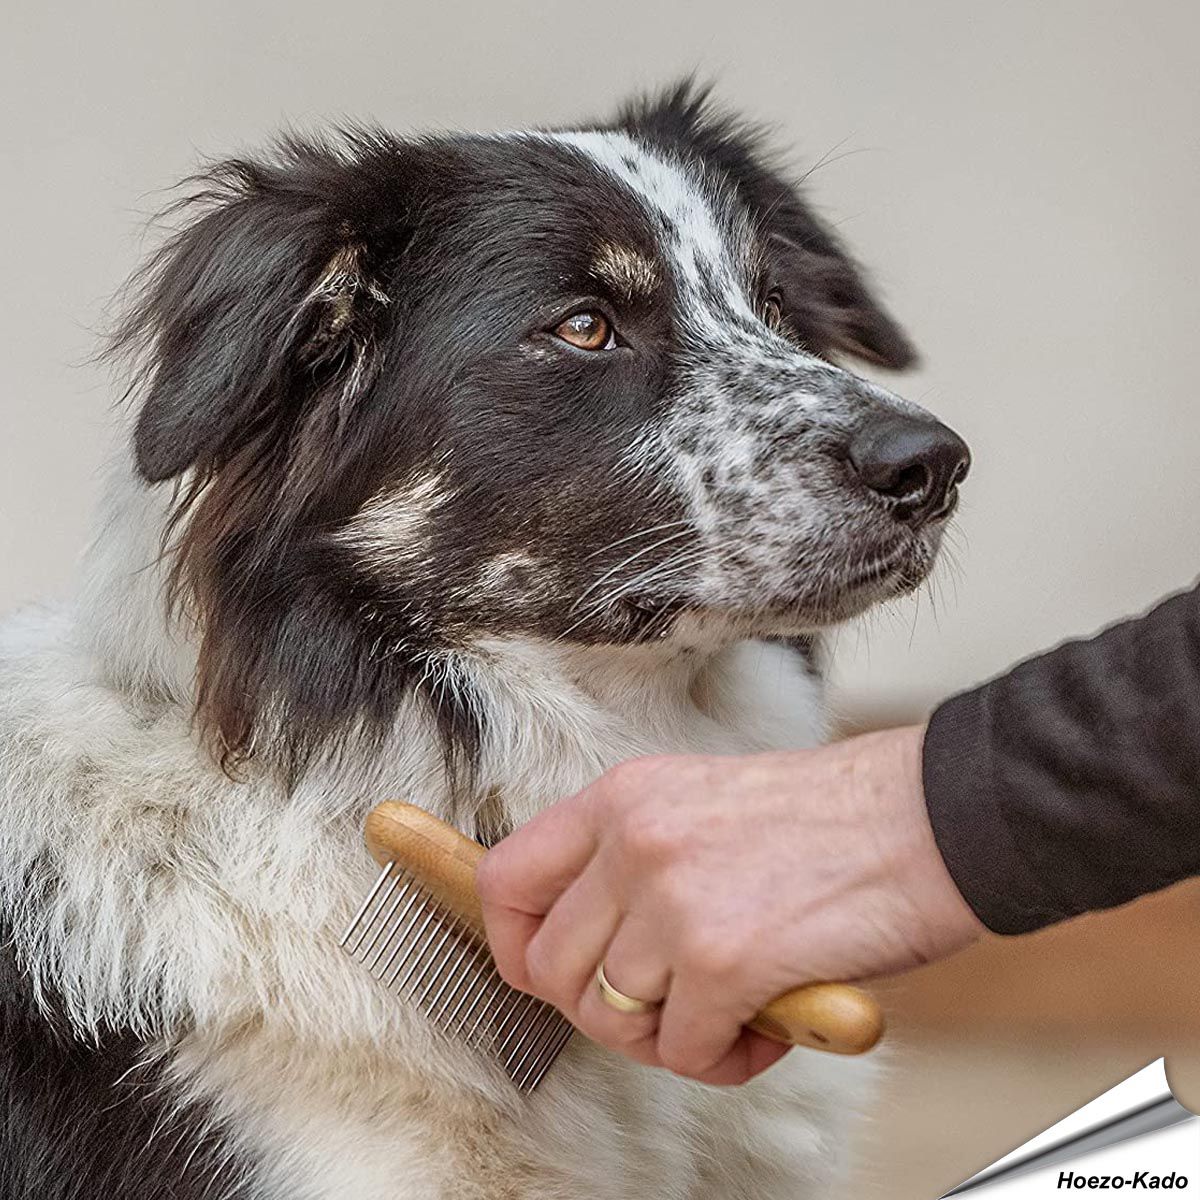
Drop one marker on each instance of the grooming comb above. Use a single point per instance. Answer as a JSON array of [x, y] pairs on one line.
[[420, 933]]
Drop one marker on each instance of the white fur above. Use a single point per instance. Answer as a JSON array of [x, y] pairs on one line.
[[391, 529], [715, 235], [629, 272], [735, 454], [204, 912], [150, 890]]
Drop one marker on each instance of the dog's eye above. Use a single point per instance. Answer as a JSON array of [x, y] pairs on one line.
[[587, 331], [772, 313]]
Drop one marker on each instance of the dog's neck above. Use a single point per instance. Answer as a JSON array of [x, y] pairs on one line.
[[105, 691], [553, 716]]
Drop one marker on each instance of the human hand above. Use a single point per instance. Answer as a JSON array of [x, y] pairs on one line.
[[713, 885]]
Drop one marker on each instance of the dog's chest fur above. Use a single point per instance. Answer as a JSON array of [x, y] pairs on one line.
[[147, 892]]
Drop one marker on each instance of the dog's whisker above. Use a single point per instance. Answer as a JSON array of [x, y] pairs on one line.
[[640, 533], [625, 562], [654, 574], [371, 506]]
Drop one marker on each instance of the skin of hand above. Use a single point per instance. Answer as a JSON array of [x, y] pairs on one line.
[[715, 884]]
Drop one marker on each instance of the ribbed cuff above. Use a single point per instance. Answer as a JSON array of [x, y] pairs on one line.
[[966, 810]]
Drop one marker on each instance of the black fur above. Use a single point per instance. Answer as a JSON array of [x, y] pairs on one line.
[[82, 1121], [337, 321], [350, 314], [825, 295]]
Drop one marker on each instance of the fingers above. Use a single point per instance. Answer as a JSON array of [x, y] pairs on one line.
[[631, 1034], [520, 879], [697, 1030], [532, 867], [703, 1036], [634, 962], [633, 967], [509, 933], [561, 958], [617, 875], [750, 1055]]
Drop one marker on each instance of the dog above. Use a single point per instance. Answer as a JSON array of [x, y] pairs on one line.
[[458, 469]]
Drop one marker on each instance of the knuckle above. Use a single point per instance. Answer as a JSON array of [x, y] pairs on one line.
[[540, 968], [675, 890], [649, 835], [617, 1034], [631, 1033], [511, 972], [712, 954], [489, 879], [628, 1028], [679, 1060], [629, 781], [621, 786]]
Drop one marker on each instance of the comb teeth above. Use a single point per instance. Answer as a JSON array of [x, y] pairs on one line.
[[426, 955]]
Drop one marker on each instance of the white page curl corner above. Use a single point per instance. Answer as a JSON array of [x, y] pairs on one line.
[[1135, 1137]]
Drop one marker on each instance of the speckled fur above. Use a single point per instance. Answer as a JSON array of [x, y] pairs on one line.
[[203, 912], [416, 548]]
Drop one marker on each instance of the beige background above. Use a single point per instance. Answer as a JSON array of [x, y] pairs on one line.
[[1024, 180]]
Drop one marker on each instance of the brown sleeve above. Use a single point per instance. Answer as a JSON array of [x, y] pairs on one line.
[[1072, 783]]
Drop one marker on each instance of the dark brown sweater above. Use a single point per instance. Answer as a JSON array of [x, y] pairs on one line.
[[1072, 783]]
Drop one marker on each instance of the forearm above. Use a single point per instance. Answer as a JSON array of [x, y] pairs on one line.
[[1072, 783]]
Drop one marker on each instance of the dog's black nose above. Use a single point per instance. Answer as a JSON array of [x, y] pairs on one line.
[[916, 462]]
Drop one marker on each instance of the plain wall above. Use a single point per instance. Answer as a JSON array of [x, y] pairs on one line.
[[1022, 179]]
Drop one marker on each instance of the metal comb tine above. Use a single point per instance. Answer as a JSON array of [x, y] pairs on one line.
[[548, 1030], [362, 912], [382, 922], [540, 1074], [518, 1014], [374, 923], [365, 915], [373, 927], [483, 970], [488, 998], [552, 1052], [420, 964], [453, 971], [437, 964], [430, 970], [540, 1024], [528, 1027], [528, 1021], [456, 975], [408, 940], [502, 1001], [487, 970], [398, 928], [450, 1019], [554, 1023], [548, 1059], [433, 958], [415, 945], [392, 945], [393, 924]]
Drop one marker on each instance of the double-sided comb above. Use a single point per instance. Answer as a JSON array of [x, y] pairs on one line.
[[420, 933]]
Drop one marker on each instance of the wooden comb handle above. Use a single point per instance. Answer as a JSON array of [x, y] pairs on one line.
[[825, 1016]]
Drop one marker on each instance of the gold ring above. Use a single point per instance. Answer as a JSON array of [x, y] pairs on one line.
[[618, 1000]]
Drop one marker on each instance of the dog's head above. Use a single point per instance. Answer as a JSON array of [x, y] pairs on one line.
[[575, 385]]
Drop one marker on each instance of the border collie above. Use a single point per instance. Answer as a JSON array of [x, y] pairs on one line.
[[461, 468]]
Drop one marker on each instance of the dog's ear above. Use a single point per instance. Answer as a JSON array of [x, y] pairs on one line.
[[826, 294], [264, 308]]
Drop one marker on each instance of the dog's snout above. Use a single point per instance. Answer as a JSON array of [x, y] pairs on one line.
[[916, 463]]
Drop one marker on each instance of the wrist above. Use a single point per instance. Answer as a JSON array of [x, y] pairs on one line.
[[941, 919]]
